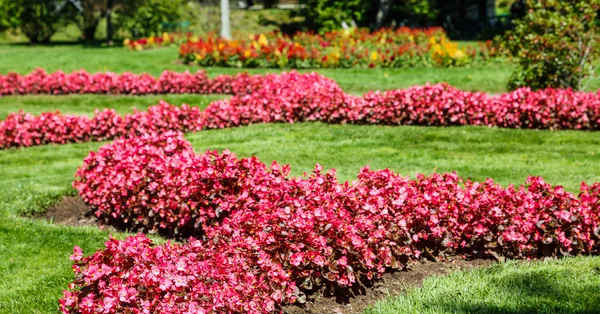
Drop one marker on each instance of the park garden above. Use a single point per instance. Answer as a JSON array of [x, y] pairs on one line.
[[328, 157]]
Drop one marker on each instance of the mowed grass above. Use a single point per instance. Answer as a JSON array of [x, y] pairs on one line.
[[86, 104], [34, 264], [568, 285]]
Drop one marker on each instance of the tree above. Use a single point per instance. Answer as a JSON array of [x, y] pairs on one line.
[[38, 20], [146, 17], [91, 12], [8, 20], [383, 11], [225, 26], [326, 15], [109, 23]]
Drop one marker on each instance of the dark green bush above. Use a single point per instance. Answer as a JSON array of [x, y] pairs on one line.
[[147, 17], [556, 44], [38, 20], [326, 15]]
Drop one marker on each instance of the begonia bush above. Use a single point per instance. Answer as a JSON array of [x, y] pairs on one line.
[[169, 82], [264, 238], [293, 97]]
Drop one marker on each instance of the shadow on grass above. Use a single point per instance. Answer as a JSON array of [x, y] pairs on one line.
[[118, 42], [530, 293]]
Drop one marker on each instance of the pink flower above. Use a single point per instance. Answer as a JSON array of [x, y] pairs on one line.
[[77, 254]]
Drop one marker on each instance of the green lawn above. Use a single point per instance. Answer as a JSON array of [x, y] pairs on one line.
[[85, 104], [569, 285]]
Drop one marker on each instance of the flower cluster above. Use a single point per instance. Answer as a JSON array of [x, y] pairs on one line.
[[23, 129], [269, 238], [292, 97], [166, 39], [82, 82], [389, 48]]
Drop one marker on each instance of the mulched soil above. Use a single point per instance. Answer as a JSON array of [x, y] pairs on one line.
[[72, 211], [392, 284]]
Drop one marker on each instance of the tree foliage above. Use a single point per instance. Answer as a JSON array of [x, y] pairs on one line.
[[557, 44], [327, 15], [146, 17], [38, 20]]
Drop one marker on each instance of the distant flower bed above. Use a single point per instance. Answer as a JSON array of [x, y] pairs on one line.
[[166, 39], [386, 48], [265, 238]]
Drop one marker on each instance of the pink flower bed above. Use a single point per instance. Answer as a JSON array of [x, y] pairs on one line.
[[265, 238], [82, 82], [293, 97]]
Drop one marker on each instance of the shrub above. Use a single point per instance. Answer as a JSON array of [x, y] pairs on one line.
[[38, 20], [327, 15], [557, 44], [82, 82], [288, 98], [269, 238], [145, 17]]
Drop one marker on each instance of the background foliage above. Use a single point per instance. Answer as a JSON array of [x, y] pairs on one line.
[[557, 44]]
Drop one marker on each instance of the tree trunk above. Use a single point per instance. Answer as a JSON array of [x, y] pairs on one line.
[[225, 26], [89, 31], [109, 25], [269, 4], [382, 13]]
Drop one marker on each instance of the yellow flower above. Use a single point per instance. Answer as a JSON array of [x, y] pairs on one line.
[[126, 42], [221, 46], [346, 33], [262, 40], [432, 40], [383, 39], [458, 55], [199, 57], [151, 40], [247, 53], [278, 53], [374, 56]]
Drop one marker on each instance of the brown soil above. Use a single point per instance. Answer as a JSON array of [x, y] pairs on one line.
[[72, 211], [391, 284]]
